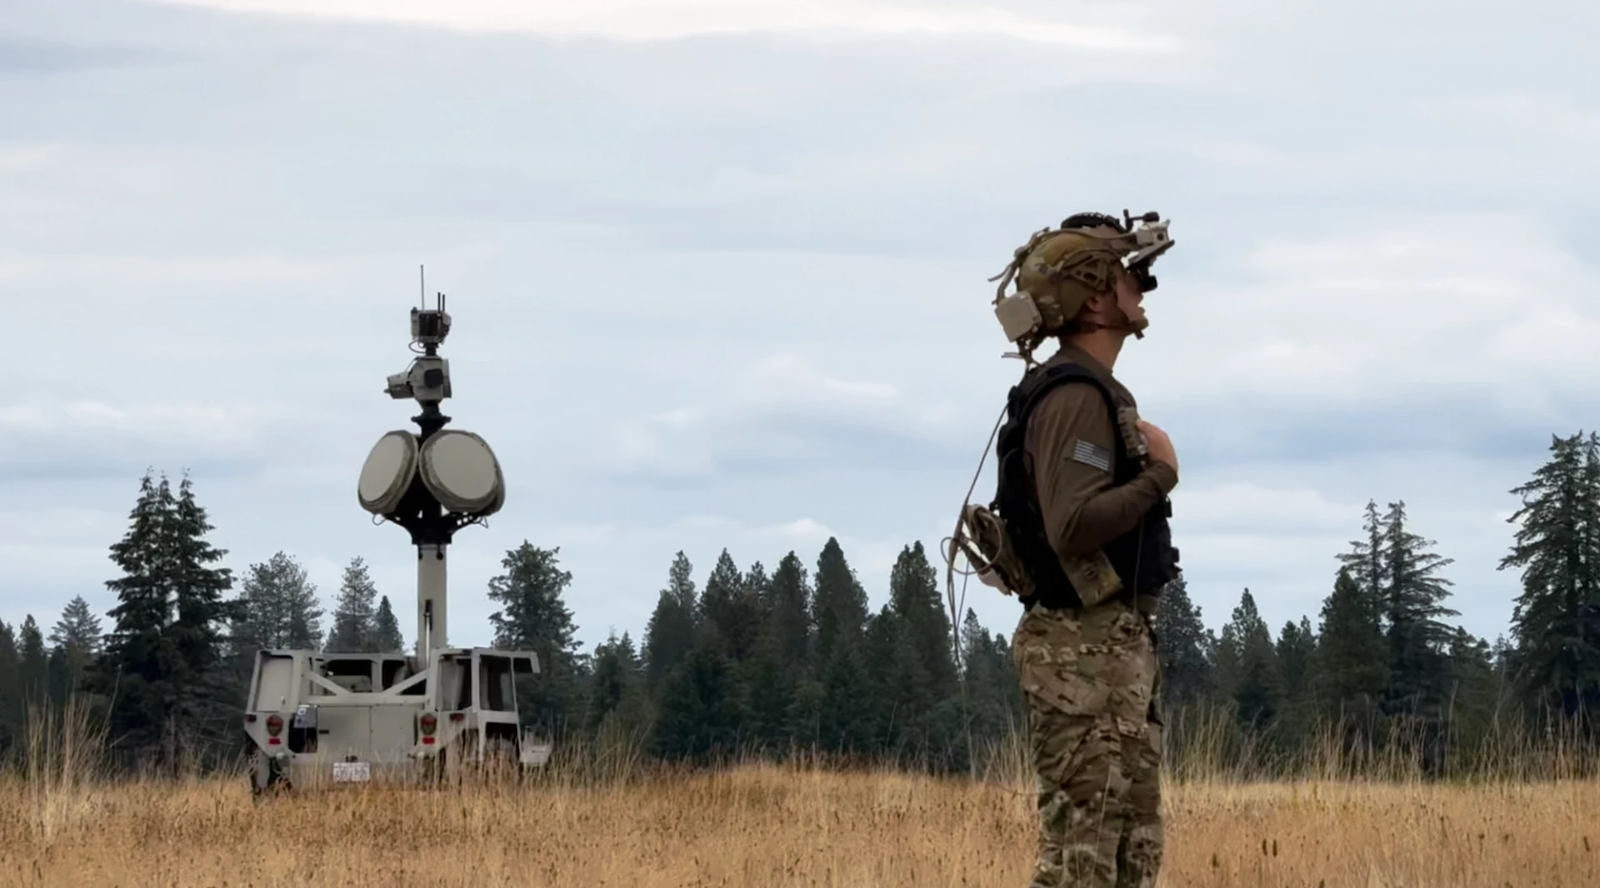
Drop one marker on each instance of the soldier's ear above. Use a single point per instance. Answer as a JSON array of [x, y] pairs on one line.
[[1100, 302]]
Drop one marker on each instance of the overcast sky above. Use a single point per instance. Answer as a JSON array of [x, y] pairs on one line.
[[718, 273]]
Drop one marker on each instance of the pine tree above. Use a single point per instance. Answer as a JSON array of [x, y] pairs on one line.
[[1365, 562], [846, 721], [140, 659], [58, 679], [278, 609], [1181, 643], [914, 598], [780, 662], [206, 700], [533, 617], [1475, 695], [1352, 659], [789, 613], [898, 685], [769, 693], [616, 693], [353, 628], [76, 636], [11, 700], [1418, 640], [34, 664], [698, 716], [731, 608], [386, 629], [1556, 621], [924, 695], [1258, 689], [670, 634], [840, 603], [994, 695], [1296, 654]]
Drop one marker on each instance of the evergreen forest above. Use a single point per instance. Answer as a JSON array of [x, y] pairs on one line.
[[787, 658]]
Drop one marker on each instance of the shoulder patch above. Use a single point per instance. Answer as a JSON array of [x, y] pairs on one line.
[[1090, 454]]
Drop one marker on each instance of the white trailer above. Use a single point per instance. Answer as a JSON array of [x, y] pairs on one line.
[[354, 717]]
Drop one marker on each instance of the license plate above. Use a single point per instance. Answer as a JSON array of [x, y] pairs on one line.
[[351, 772]]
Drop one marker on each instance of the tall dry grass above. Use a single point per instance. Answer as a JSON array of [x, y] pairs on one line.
[[603, 817]]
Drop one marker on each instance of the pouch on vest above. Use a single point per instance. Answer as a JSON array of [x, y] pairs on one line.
[[1093, 577], [996, 563]]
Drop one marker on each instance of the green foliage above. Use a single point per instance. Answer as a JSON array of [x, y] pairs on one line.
[[76, 638], [164, 668], [1556, 621], [386, 628], [1418, 639], [277, 609], [12, 706], [1184, 647], [533, 617], [1257, 689], [731, 607], [699, 713], [670, 634], [839, 604], [354, 627], [1351, 656]]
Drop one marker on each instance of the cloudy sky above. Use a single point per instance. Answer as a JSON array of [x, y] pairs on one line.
[[718, 272]]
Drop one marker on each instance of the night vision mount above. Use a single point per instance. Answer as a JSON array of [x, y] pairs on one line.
[[1137, 249], [1150, 240]]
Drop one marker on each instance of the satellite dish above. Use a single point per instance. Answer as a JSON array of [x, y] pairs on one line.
[[388, 471], [462, 472]]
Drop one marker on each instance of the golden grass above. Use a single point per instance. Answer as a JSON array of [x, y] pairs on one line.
[[769, 826], [62, 824]]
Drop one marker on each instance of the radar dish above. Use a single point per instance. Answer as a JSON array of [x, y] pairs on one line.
[[387, 473], [462, 472]]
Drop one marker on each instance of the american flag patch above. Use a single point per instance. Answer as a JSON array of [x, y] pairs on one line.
[[1091, 454]]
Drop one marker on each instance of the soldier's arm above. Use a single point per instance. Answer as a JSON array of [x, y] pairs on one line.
[[1071, 444]]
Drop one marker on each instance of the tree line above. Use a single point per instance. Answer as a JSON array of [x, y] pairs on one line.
[[1383, 671], [759, 662]]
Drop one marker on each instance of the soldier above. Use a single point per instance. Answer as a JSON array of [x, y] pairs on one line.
[[1082, 493]]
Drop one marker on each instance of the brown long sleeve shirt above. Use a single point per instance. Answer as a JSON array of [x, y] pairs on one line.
[[1071, 444]]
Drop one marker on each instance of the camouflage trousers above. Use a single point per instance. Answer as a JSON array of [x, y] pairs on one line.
[[1089, 679]]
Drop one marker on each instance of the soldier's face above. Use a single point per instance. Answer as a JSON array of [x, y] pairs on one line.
[[1130, 299]]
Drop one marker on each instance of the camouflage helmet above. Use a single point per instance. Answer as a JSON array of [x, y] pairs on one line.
[[1060, 269]]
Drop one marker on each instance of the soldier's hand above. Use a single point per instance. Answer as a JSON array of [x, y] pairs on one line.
[[1159, 444]]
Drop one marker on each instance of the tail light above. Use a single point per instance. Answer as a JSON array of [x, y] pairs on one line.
[[430, 723], [274, 728]]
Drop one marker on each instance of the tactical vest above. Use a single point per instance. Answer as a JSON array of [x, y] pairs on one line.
[[1143, 558]]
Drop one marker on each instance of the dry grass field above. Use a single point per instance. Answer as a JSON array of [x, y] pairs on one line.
[[61, 825], [776, 827]]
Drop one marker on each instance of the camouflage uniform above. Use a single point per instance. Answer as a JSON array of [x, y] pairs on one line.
[[1089, 678]]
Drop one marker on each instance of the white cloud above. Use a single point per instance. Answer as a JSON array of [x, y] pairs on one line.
[[133, 425], [1385, 310], [669, 19], [1287, 511], [780, 409]]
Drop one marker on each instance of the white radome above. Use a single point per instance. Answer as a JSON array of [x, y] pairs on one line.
[[387, 472], [462, 472]]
